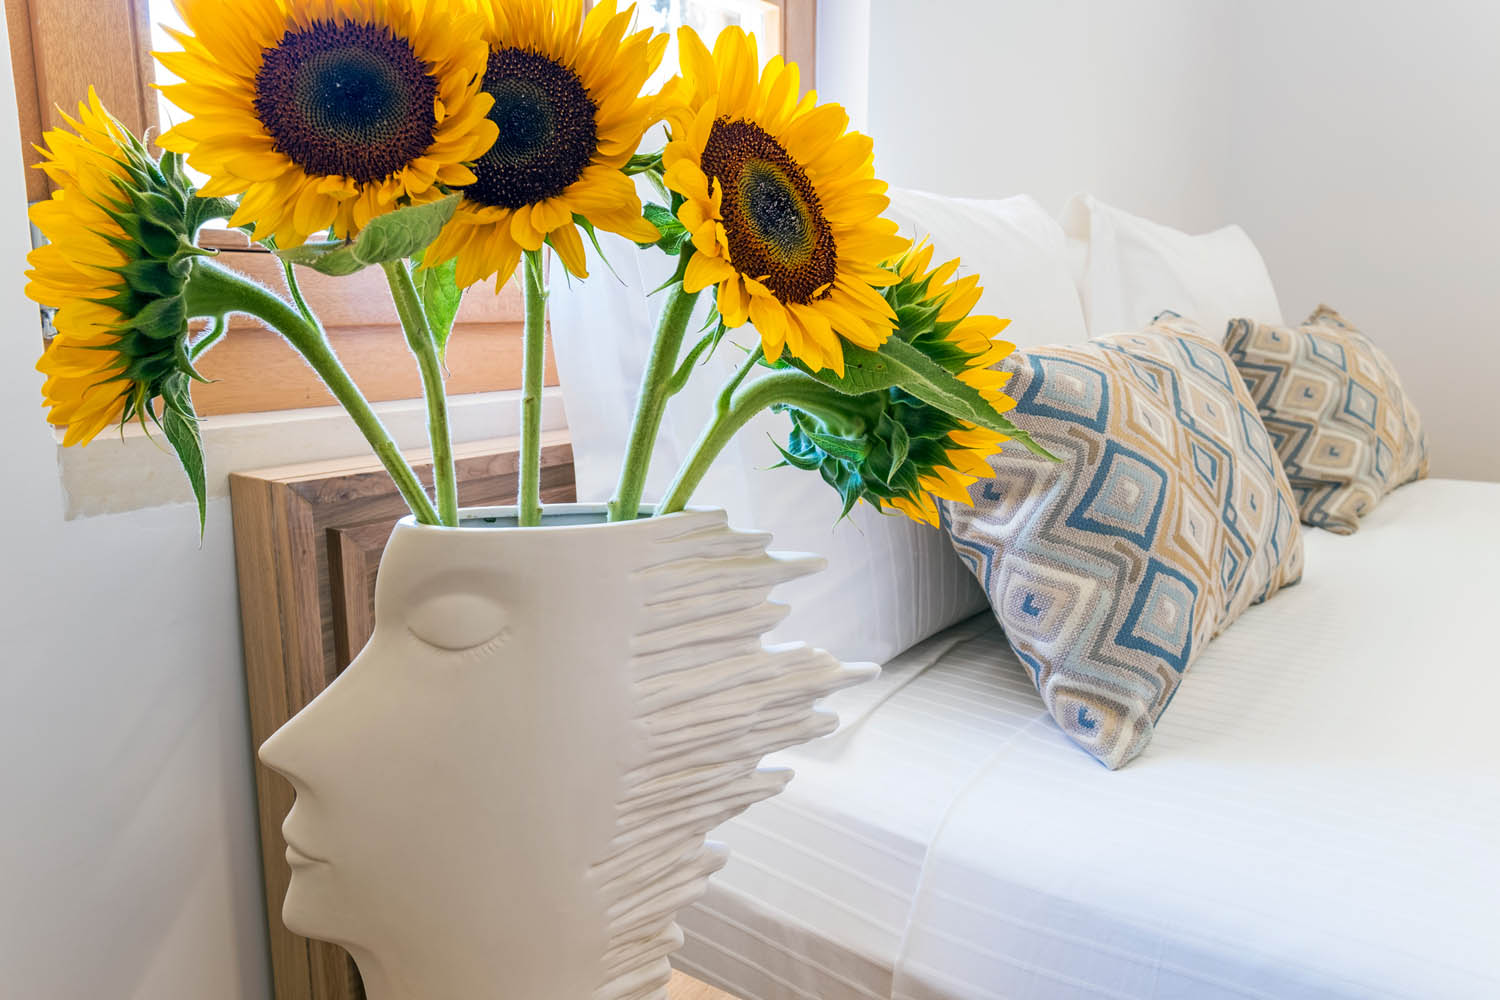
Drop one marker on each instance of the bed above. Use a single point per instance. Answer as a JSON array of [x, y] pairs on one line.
[[1317, 816]]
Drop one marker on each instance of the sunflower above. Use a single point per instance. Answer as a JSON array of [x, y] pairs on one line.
[[568, 105], [782, 203], [326, 113], [119, 228], [903, 453]]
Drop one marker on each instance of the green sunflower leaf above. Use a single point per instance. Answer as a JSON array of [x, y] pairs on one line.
[[900, 365], [333, 257], [673, 233], [180, 424], [393, 236], [404, 232], [441, 296]]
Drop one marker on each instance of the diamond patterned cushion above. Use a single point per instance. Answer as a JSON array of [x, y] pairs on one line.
[[1168, 516], [1344, 427]]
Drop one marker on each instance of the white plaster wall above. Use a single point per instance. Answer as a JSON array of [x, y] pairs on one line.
[[1049, 98], [1365, 160], [1354, 140], [128, 859]]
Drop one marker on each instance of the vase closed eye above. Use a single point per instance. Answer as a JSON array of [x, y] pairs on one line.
[[507, 793]]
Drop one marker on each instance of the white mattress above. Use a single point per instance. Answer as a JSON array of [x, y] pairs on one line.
[[1317, 816]]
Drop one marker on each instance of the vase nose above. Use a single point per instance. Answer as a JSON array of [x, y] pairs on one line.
[[278, 751], [292, 749]]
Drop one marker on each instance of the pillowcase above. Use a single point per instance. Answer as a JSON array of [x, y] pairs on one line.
[[1168, 516], [1133, 269], [1019, 252], [1344, 427]]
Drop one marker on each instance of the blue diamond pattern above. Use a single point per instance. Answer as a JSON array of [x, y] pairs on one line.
[[1160, 620], [1125, 497]]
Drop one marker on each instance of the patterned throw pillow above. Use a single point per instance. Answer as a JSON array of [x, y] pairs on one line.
[[1344, 427], [1168, 516]]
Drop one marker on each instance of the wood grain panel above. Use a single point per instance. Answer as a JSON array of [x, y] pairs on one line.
[[60, 47], [28, 102], [799, 38], [307, 540], [256, 371]]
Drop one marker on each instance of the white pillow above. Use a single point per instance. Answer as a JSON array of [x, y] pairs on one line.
[[1132, 269], [1019, 251], [890, 583]]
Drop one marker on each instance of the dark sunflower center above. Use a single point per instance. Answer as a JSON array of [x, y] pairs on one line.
[[776, 228], [347, 99], [547, 130]]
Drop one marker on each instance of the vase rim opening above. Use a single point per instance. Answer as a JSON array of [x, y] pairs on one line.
[[555, 517]]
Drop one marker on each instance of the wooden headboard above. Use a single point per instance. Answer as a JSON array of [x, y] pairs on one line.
[[307, 541]]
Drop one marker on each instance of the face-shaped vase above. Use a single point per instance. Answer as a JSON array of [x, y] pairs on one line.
[[506, 793]]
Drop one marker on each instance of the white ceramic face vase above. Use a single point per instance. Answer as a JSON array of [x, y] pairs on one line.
[[506, 794]]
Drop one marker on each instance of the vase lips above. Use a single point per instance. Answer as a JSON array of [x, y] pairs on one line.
[[296, 854]]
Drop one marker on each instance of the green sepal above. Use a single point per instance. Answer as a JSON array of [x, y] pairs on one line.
[[157, 209], [151, 276], [806, 463], [161, 318], [393, 236], [156, 240], [201, 210], [593, 235], [183, 353], [900, 446], [844, 449], [437, 286], [180, 424], [659, 184], [641, 163]]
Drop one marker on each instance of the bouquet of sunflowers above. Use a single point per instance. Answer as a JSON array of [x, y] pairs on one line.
[[448, 142]]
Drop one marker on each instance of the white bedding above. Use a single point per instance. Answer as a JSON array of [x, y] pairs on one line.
[[1318, 815]]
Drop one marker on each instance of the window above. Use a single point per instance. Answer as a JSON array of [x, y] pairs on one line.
[[780, 27], [52, 69]]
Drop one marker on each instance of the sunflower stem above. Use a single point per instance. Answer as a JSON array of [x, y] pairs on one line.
[[789, 387], [726, 395], [424, 346], [214, 291], [651, 404], [529, 495], [295, 288]]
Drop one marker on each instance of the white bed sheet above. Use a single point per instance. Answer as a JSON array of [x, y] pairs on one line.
[[1317, 816]]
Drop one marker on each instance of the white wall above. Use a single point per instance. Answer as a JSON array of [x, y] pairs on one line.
[[1355, 140], [1048, 98], [128, 859], [1365, 161]]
